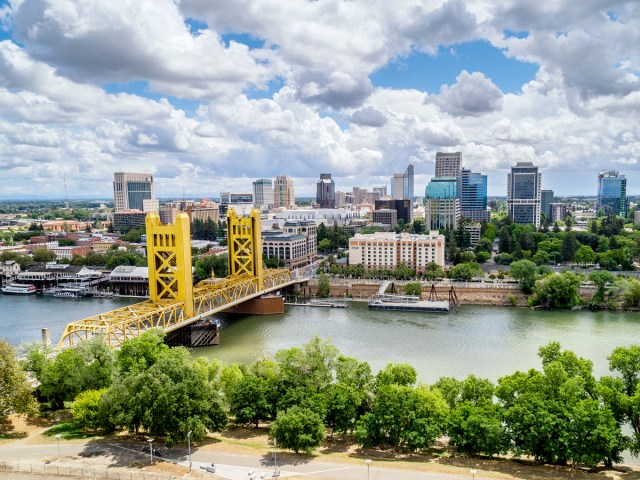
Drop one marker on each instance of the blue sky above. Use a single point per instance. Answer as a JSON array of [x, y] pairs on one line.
[[218, 94]]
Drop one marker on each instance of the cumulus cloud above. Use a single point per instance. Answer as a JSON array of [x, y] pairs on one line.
[[368, 117], [576, 115], [472, 95], [123, 41]]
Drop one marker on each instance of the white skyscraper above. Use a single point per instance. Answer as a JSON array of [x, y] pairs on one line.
[[131, 189]]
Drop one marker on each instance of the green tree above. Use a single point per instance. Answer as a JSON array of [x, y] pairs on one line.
[[397, 374], [525, 272], [404, 417], [569, 247], [478, 429], [600, 278], [325, 245], [585, 254], [41, 255], [15, 390], [298, 429], [169, 398], [465, 271], [248, 401], [343, 403], [86, 409], [311, 366], [413, 288], [133, 236], [555, 415], [433, 271], [504, 243], [558, 291], [324, 286]]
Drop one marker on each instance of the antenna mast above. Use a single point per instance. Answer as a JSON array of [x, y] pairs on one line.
[[66, 196]]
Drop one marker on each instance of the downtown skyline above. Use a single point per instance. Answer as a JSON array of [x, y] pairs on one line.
[[209, 96]]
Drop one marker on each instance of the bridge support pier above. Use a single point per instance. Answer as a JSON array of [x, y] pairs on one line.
[[267, 305]]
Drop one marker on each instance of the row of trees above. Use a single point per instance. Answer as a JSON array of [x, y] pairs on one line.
[[558, 414]]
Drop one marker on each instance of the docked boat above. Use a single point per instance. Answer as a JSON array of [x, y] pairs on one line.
[[19, 289], [70, 292]]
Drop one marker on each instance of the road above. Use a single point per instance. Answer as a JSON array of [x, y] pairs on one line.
[[97, 456]]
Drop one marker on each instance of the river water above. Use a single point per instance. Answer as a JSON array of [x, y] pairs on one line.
[[487, 341]]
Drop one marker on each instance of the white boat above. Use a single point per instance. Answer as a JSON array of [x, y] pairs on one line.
[[19, 289], [69, 292]]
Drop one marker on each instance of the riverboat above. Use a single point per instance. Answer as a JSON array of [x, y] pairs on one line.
[[406, 303], [70, 292], [19, 289]]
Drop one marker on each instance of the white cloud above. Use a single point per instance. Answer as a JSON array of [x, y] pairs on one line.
[[472, 94], [578, 115]]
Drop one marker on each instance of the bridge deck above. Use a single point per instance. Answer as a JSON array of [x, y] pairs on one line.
[[209, 298]]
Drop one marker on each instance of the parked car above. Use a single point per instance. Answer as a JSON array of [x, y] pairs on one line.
[[209, 468]]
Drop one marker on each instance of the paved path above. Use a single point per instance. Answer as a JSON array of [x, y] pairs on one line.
[[102, 455]]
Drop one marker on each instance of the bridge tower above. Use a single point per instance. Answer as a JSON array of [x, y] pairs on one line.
[[169, 260], [244, 240]]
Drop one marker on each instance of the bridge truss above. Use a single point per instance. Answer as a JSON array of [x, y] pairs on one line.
[[174, 302]]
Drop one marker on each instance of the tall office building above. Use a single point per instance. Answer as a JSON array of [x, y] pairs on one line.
[[397, 186], [473, 196], [523, 193], [326, 191], [612, 193], [408, 183], [442, 203], [131, 189], [402, 207], [283, 193], [546, 199], [448, 164], [263, 194], [402, 184]]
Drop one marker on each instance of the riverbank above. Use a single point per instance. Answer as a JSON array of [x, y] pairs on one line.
[[237, 450], [499, 293]]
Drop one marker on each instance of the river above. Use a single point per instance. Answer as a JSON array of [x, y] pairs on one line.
[[487, 341]]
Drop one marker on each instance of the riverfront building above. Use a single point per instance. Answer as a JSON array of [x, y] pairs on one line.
[[131, 189], [296, 244], [387, 250], [523, 193], [612, 193]]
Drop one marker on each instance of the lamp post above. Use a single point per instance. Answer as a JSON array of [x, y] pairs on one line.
[[150, 440], [58, 435], [473, 473], [275, 459], [368, 462], [189, 446]]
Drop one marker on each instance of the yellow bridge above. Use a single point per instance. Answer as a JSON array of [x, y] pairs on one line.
[[174, 301]]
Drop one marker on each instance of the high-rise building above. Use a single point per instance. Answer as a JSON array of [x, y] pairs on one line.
[[263, 194], [131, 189], [442, 203], [473, 196], [402, 185], [397, 186], [546, 199], [283, 193], [448, 164], [523, 193], [407, 186], [326, 191], [612, 193], [402, 207]]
